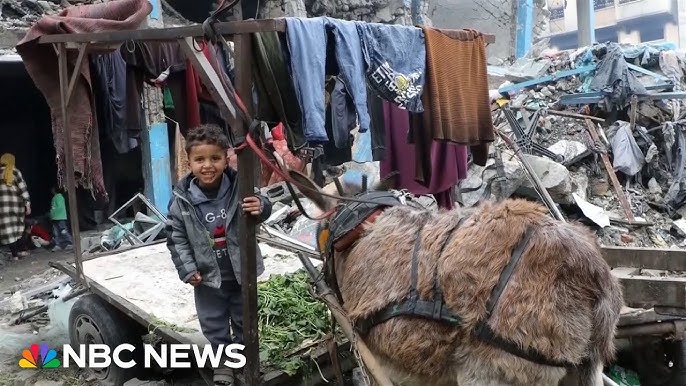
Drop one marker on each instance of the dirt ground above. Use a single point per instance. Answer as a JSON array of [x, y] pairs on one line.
[[16, 275], [31, 272]]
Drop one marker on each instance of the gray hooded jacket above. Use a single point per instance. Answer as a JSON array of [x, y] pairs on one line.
[[191, 244]]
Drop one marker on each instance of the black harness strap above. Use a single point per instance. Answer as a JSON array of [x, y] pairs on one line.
[[413, 306], [435, 310], [485, 333]]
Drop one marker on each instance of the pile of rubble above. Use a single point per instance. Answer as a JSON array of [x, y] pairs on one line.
[[604, 129]]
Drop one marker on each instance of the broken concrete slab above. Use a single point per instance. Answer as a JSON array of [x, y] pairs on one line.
[[570, 151], [17, 302], [554, 177], [472, 188]]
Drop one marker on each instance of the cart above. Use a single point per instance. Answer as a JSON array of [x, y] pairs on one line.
[[113, 311]]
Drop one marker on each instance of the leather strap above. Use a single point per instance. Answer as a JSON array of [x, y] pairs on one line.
[[351, 237]]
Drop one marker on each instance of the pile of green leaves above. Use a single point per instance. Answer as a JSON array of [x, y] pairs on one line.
[[288, 318]]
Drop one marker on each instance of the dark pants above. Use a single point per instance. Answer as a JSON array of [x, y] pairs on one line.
[[216, 308], [19, 246], [60, 232]]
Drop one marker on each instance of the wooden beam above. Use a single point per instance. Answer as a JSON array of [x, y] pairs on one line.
[[69, 159], [164, 34], [175, 33], [77, 72], [208, 76], [648, 291], [649, 258], [247, 170], [611, 174]]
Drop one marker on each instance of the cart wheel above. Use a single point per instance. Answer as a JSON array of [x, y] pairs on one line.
[[661, 362], [93, 321]]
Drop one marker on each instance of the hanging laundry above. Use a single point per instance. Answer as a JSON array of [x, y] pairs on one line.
[[109, 85], [154, 58], [40, 61], [351, 65], [160, 63], [276, 98], [307, 42], [200, 106], [448, 161], [343, 118], [338, 149], [456, 95], [377, 125], [396, 59]]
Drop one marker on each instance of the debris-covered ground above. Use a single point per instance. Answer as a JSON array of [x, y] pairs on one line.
[[641, 139]]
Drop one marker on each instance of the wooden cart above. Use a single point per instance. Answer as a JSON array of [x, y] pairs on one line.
[[137, 291]]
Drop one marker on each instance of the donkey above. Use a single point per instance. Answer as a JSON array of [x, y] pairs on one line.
[[555, 317]]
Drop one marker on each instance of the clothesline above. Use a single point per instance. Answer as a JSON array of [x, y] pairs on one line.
[[172, 33]]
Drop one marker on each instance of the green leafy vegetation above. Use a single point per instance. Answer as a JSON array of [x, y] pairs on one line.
[[289, 317]]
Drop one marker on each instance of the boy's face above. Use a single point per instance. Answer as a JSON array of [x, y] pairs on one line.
[[208, 162]]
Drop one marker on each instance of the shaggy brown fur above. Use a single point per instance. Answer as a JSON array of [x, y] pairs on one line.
[[561, 300]]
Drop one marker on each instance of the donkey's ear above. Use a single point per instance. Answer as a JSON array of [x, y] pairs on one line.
[[390, 182], [310, 190]]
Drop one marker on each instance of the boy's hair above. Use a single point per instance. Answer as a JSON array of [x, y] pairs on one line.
[[207, 134]]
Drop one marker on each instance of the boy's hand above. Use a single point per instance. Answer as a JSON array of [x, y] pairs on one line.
[[252, 205], [195, 279]]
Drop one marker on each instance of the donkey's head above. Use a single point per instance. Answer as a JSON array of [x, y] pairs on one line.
[[321, 197], [326, 198]]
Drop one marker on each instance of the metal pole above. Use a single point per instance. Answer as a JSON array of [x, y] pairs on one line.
[[69, 156], [247, 165]]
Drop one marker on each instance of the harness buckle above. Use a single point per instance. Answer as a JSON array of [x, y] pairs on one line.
[[310, 153], [437, 309], [400, 195]]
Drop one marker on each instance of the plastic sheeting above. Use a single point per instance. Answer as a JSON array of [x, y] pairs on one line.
[[628, 157], [676, 195], [615, 81]]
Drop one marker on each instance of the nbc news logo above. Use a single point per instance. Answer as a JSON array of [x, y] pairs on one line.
[[30, 358]]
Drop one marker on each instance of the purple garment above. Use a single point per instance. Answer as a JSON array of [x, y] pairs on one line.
[[448, 161]]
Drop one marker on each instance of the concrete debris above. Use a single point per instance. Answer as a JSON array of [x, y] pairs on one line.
[[571, 151], [554, 176], [17, 302], [642, 138], [654, 187]]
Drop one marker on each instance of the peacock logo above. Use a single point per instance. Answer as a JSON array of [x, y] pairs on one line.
[[48, 358]]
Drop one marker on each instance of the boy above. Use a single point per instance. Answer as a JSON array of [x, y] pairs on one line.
[[58, 216], [204, 207]]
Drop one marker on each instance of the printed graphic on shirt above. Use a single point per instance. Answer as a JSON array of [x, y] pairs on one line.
[[401, 89], [219, 238], [219, 233]]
